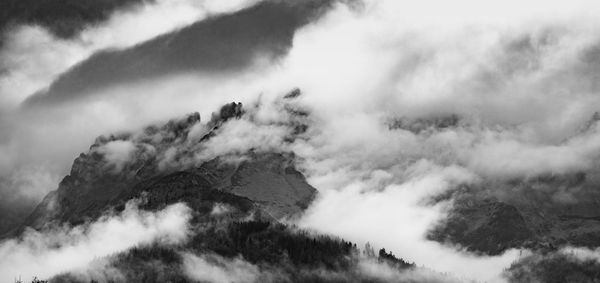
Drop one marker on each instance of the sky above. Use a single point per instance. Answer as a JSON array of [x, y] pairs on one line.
[[522, 77]]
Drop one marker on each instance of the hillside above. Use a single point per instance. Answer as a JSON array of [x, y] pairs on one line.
[[237, 203], [158, 165]]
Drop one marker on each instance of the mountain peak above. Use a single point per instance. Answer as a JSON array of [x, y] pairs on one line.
[[161, 160]]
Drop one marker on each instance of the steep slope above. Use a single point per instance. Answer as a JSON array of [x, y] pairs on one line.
[[540, 213], [268, 179], [554, 268], [236, 199], [490, 227], [160, 164], [249, 251]]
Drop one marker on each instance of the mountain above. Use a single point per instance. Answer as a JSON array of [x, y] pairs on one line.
[[240, 198], [554, 268], [237, 201], [542, 213], [267, 180]]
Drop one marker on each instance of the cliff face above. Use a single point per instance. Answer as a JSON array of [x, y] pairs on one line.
[[161, 165], [235, 198], [270, 180]]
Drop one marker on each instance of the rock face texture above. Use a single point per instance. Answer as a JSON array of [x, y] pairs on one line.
[[543, 213], [160, 166], [489, 227], [270, 180]]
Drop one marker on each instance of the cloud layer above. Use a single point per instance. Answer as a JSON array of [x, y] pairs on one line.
[[48, 253], [521, 77]]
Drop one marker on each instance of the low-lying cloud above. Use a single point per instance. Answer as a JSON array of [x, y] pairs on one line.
[[522, 77], [117, 153], [48, 253], [214, 268], [45, 141], [207, 268], [395, 216]]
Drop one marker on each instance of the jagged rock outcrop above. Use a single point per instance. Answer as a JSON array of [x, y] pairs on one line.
[[419, 125], [160, 164], [235, 201]]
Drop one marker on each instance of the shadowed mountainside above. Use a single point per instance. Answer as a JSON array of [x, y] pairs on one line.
[[235, 203], [267, 181], [542, 213]]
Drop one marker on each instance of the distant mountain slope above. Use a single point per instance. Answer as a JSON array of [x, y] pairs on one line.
[[543, 213], [236, 201]]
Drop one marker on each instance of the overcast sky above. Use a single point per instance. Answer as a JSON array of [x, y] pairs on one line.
[[522, 77]]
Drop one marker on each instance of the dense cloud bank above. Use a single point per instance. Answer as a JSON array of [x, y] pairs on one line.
[[485, 94], [51, 252], [217, 46]]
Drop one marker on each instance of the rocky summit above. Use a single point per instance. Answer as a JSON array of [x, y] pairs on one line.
[[267, 182], [237, 202]]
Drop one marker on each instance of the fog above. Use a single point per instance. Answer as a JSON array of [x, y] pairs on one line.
[[521, 77], [48, 253]]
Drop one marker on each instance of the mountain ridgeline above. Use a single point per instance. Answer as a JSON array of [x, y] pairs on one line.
[[160, 164], [242, 194], [237, 201]]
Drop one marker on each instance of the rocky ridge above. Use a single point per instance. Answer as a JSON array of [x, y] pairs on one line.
[[161, 164]]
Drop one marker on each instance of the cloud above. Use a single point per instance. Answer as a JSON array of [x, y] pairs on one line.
[[51, 252], [117, 153], [213, 268], [510, 157], [581, 253], [373, 269], [569, 264], [239, 136], [522, 77], [99, 269], [218, 45], [262, 127], [32, 57], [220, 209], [397, 218]]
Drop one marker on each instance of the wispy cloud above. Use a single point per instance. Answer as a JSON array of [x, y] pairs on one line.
[[48, 253], [522, 77]]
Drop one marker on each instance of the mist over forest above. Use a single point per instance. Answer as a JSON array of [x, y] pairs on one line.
[[299, 141]]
